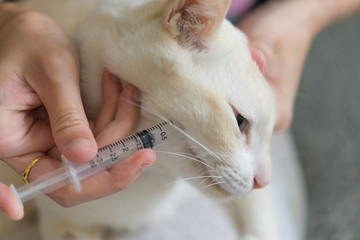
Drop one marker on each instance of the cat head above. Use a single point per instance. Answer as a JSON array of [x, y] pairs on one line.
[[195, 69]]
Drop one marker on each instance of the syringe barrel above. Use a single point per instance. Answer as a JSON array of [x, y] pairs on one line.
[[111, 154], [116, 152], [108, 156]]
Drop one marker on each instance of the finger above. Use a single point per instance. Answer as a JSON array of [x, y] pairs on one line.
[[58, 89], [20, 163], [126, 117], [111, 89], [8, 203], [106, 182], [259, 57], [269, 64]]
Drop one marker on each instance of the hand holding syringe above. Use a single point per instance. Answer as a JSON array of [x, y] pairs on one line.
[[107, 156]]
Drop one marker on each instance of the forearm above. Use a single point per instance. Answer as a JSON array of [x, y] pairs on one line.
[[341, 8], [326, 12]]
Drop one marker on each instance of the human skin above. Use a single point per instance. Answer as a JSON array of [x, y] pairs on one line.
[[117, 119], [40, 108], [280, 34]]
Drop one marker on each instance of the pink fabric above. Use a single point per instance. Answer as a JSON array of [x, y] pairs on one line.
[[238, 7]]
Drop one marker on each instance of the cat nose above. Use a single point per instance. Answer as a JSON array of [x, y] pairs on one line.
[[263, 174], [260, 183]]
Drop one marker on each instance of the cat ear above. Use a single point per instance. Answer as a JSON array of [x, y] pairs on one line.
[[194, 23]]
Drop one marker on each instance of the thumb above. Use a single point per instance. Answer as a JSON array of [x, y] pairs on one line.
[[71, 131], [69, 125], [261, 53]]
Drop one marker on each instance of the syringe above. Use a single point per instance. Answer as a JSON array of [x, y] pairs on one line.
[[106, 157]]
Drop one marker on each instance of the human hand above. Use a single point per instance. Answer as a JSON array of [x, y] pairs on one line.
[[8, 203], [117, 118], [280, 34], [39, 69]]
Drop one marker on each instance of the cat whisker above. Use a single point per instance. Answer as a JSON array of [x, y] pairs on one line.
[[205, 178], [201, 174], [211, 184], [186, 156], [213, 178], [175, 127], [181, 154], [190, 179]]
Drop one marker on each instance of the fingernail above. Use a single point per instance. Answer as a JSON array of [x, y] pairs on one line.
[[19, 214], [146, 165], [259, 58], [114, 78], [135, 92]]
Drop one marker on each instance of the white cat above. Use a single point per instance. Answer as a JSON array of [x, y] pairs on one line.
[[194, 68]]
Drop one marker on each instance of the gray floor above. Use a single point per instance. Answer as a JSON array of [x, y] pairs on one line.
[[327, 132]]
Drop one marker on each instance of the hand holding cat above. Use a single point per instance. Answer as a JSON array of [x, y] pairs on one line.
[[280, 34], [39, 69], [38, 66]]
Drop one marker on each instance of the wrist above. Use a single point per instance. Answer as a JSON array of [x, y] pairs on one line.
[[313, 15], [322, 14], [325, 12]]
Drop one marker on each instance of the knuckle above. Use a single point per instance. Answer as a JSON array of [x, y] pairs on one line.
[[70, 119], [64, 202], [122, 181], [65, 197]]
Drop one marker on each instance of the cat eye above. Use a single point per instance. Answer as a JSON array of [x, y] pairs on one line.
[[242, 122]]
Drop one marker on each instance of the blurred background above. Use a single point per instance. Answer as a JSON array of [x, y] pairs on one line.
[[326, 128]]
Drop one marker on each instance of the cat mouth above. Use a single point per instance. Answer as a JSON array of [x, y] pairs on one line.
[[220, 179], [209, 181]]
